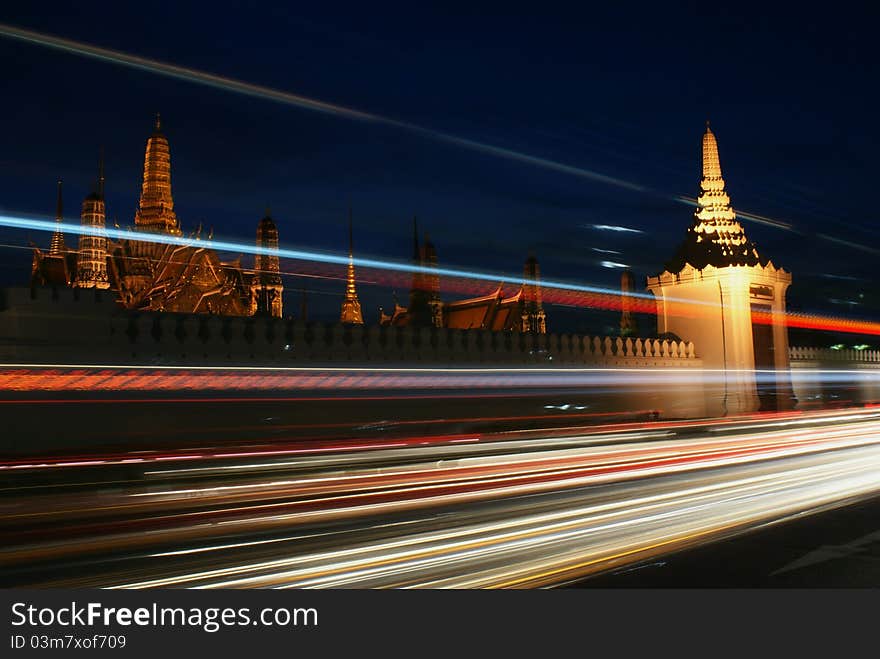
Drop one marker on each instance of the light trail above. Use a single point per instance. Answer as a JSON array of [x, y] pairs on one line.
[[553, 291], [754, 217], [537, 549], [17, 222], [521, 440], [616, 228], [120, 378], [295, 100], [522, 514]]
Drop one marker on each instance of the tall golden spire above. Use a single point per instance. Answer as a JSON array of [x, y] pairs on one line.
[[267, 288], [713, 200], [156, 209], [351, 306], [711, 162], [715, 237], [57, 246]]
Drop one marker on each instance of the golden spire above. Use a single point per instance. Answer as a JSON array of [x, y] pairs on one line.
[[711, 162], [715, 237], [156, 209], [351, 306], [57, 246], [713, 200], [267, 286]]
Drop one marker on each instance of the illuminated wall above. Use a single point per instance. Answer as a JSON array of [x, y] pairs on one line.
[[713, 308]]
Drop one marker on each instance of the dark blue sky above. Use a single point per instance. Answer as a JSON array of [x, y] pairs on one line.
[[791, 95]]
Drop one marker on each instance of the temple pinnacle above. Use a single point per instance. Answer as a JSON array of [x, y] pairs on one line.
[[350, 236], [101, 173], [711, 161], [351, 306], [156, 208], [716, 237]]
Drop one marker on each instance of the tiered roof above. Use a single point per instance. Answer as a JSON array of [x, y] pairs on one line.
[[716, 237]]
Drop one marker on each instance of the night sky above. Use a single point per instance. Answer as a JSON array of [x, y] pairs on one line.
[[791, 96]]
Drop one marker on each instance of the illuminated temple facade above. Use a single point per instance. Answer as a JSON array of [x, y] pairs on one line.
[[149, 275], [522, 311], [719, 302], [146, 269]]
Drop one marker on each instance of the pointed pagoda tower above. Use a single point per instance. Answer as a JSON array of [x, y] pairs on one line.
[[425, 308], [91, 262], [56, 245], [267, 289], [533, 318], [431, 282], [720, 293], [156, 208], [351, 306], [418, 301]]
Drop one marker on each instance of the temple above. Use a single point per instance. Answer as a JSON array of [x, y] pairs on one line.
[[58, 265], [188, 276], [720, 307], [146, 275], [520, 312], [721, 294]]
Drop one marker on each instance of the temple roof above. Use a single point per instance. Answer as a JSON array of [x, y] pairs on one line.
[[715, 237], [53, 269]]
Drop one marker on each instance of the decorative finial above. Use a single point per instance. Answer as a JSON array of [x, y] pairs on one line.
[[59, 206], [158, 122], [101, 172], [268, 210], [708, 128], [350, 235]]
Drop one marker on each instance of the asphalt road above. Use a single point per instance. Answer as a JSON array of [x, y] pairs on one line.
[[839, 548]]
